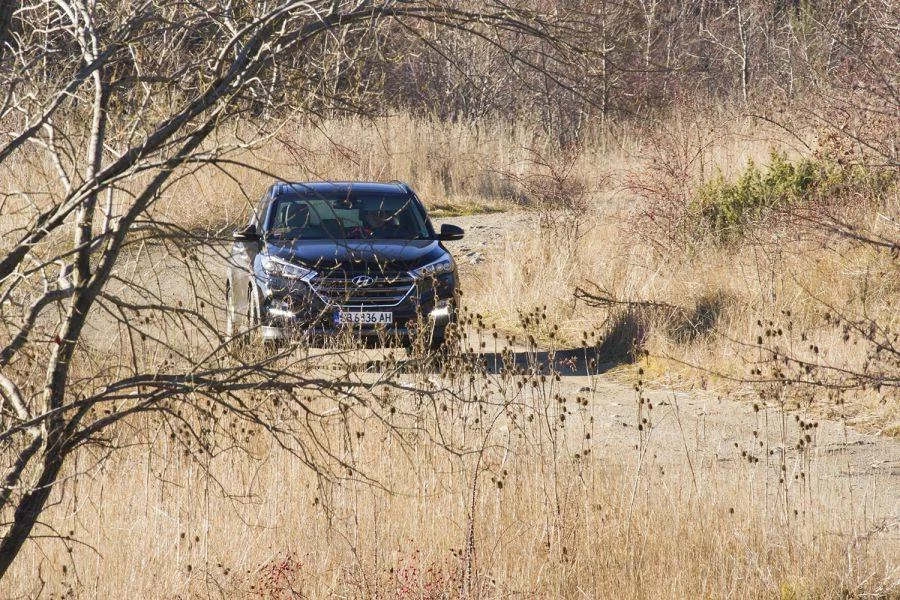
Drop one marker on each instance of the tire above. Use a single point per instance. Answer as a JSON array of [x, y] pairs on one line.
[[231, 324], [435, 341], [239, 328], [445, 340], [438, 340]]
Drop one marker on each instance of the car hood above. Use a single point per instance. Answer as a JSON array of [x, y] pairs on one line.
[[357, 255]]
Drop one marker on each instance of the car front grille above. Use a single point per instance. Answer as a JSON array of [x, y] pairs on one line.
[[383, 290]]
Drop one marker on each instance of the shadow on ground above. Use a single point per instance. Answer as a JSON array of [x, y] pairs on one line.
[[570, 362]]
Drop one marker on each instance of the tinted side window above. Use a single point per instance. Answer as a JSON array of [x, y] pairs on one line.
[[428, 225], [257, 216]]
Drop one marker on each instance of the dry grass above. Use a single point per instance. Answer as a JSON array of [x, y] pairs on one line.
[[452, 167], [556, 514], [715, 299], [709, 297]]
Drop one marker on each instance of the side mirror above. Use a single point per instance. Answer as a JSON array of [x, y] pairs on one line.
[[450, 233], [247, 234]]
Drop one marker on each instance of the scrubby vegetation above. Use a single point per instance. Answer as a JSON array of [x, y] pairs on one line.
[[677, 370], [725, 208]]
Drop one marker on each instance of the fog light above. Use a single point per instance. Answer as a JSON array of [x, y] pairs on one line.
[[441, 310], [281, 309]]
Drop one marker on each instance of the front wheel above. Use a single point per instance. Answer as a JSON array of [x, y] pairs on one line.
[[438, 339], [231, 325], [445, 339], [240, 326]]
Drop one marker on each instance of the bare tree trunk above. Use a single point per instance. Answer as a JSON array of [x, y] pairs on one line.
[[32, 504], [745, 54]]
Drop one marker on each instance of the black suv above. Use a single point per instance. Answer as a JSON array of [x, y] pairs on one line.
[[321, 258]]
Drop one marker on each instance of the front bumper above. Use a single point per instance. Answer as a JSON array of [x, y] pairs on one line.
[[293, 310], [299, 330]]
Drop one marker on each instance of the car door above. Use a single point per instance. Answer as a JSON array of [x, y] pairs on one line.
[[243, 256]]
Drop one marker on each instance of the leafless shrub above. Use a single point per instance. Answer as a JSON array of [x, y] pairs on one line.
[[552, 183], [674, 162]]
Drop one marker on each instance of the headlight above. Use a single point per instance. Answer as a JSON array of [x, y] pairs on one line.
[[442, 265], [282, 268]]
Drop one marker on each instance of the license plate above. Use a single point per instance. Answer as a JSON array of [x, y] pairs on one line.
[[363, 317]]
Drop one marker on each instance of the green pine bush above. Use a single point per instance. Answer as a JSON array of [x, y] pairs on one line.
[[726, 208]]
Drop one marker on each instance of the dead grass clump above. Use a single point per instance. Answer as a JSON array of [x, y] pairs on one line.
[[702, 319]]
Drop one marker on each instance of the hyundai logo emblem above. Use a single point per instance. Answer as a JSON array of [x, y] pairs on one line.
[[362, 281]]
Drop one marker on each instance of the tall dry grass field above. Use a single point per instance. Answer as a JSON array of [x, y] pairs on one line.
[[520, 481], [538, 499]]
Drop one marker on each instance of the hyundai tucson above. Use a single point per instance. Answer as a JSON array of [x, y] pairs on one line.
[[323, 258]]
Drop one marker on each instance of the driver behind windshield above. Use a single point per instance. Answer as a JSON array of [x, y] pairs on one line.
[[377, 224], [356, 217]]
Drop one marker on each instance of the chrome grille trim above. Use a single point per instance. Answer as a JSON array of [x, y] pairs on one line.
[[385, 291]]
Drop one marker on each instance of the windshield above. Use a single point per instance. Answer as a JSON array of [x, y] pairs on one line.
[[349, 216]]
